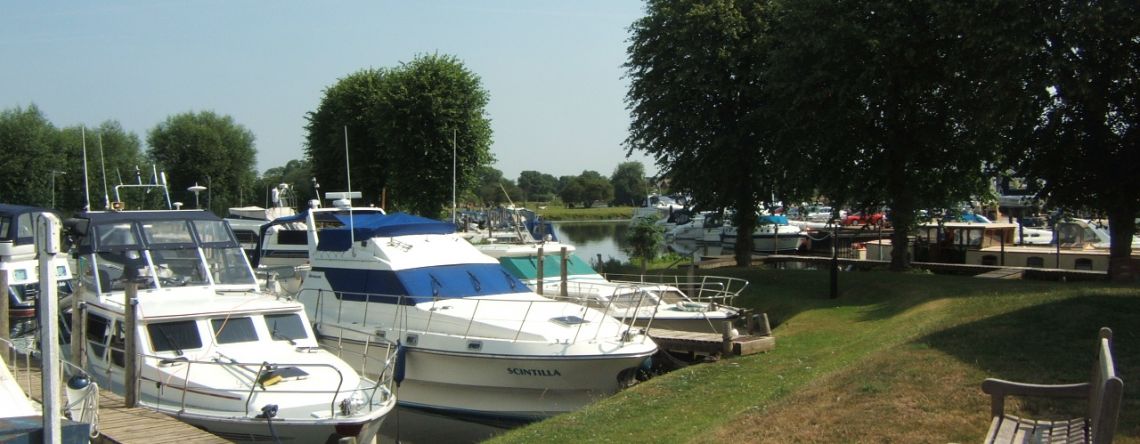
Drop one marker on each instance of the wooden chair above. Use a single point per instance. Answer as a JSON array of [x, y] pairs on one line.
[[1098, 426]]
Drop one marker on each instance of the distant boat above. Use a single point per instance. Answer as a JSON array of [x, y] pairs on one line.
[[698, 303], [18, 261], [706, 226], [772, 234]]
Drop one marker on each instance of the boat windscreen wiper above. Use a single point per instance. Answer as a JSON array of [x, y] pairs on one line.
[[275, 335], [170, 340], [509, 278], [475, 281]]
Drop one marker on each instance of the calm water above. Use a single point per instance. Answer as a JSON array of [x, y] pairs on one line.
[[593, 238]]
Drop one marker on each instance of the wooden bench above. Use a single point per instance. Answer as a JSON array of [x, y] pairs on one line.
[[1098, 425]]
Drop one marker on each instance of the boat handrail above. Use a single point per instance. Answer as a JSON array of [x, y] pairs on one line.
[[403, 301], [251, 384], [720, 289]]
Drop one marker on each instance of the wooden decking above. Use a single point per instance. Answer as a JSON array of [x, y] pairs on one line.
[[119, 424], [710, 343]]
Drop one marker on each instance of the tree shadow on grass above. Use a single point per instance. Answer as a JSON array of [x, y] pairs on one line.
[[1050, 344]]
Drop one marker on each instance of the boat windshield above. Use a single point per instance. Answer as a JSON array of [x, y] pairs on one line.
[[166, 253]]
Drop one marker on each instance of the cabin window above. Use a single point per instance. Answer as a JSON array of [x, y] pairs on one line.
[[24, 226], [97, 334], [292, 237], [285, 327], [1035, 261], [1083, 263], [116, 236], [118, 344], [5, 226], [989, 259], [232, 330], [174, 336]]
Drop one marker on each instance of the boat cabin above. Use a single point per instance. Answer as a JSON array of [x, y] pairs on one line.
[[18, 260]]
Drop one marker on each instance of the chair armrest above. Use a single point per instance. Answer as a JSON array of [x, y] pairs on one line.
[[998, 389]]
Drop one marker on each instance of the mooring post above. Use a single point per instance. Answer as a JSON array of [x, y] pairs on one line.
[[540, 271], [5, 328], [47, 243], [749, 321], [77, 326], [726, 337], [562, 288], [130, 347], [765, 329]]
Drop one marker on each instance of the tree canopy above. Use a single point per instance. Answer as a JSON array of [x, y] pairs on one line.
[[402, 124], [630, 187], [696, 96], [207, 149], [29, 147]]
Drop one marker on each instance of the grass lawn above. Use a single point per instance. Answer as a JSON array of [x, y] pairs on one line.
[[557, 212], [897, 358]]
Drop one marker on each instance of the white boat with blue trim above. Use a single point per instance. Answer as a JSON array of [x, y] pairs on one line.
[[477, 342]]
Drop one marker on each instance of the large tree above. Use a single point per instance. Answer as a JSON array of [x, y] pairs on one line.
[[879, 104], [630, 187], [696, 96], [537, 186], [28, 153], [1085, 142], [402, 126], [207, 149]]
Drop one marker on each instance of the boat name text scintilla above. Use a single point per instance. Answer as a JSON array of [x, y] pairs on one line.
[[533, 372]]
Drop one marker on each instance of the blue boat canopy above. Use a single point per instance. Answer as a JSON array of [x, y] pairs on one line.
[[367, 226], [769, 219]]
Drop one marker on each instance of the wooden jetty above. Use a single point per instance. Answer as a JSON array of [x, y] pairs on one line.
[[710, 343], [119, 424]]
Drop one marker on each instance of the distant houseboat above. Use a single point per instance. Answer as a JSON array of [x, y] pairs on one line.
[[1080, 247]]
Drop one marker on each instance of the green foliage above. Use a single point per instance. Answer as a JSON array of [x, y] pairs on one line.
[[537, 186], [1085, 140], [295, 173], [401, 123], [644, 238], [110, 149], [585, 189], [697, 99], [630, 187], [29, 147], [490, 188], [207, 149]]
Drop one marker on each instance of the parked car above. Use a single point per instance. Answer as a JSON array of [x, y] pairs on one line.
[[861, 218]]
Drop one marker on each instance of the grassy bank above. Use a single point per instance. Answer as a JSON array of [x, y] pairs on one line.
[[897, 358], [557, 212]]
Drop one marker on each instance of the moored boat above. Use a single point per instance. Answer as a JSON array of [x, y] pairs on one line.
[[211, 349], [687, 303], [478, 342], [18, 261]]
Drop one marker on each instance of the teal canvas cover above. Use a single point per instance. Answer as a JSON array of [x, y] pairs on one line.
[[527, 267]]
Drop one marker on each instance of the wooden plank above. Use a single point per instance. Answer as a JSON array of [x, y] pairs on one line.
[[119, 424], [711, 343]]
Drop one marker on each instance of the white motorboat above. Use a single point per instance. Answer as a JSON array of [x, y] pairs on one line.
[[211, 349], [772, 234], [18, 261], [696, 303], [478, 342], [705, 226]]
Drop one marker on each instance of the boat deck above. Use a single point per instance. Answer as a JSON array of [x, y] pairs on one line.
[[119, 424]]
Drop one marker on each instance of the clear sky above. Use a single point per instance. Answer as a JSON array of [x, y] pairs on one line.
[[553, 68]]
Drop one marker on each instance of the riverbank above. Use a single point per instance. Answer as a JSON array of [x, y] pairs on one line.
[[897, 358], [558, 213]]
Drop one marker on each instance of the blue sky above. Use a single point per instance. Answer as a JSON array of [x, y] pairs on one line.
[[553, 68]]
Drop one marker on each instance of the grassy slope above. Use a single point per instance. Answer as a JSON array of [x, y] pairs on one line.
[[561, 213], [897, 358]]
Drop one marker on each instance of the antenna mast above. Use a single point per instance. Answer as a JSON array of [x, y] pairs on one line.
[[86, 185], [453, 174], [348, 176], [103, 168]]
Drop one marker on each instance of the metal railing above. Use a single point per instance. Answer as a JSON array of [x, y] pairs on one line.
[[393, 311], [720, 290]]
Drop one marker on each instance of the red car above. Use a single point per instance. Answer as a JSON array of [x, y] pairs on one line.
[[863, 219]]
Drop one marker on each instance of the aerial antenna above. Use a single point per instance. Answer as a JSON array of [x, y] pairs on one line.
[[103, 168], [348, 176], [453, 184], [86, 185], [514, 212]]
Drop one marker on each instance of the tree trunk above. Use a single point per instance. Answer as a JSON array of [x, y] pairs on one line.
[[1121, 226]]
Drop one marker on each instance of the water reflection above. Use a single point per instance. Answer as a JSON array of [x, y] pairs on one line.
[[594, 238], [406, 425]]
